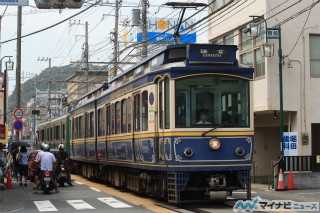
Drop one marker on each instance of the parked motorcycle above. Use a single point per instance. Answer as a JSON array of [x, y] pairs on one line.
[[62, 175], [46, 182]]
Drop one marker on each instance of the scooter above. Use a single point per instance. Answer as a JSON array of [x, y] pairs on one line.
[[62, 175], [46, 182]]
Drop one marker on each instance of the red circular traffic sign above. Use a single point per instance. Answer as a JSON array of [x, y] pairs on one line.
[[17, 125], [18, 113]]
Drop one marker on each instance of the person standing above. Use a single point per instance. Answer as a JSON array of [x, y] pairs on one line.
[[23, 165]]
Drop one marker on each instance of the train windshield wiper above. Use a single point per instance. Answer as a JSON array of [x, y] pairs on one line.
[[203, 134]]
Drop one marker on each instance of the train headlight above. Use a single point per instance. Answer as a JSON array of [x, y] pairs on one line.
[[239, 151], [188, 152], [214, 144]]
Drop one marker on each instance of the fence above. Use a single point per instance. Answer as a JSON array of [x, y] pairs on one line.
[[301, 163]]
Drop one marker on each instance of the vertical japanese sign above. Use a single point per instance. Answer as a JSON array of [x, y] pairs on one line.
[[290, 143]]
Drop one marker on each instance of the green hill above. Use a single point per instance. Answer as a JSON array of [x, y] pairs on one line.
[[58, 76]]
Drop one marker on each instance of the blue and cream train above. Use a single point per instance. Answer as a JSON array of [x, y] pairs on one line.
[[141, 132]]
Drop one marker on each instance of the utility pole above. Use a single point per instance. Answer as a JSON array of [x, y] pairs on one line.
[[18, 66], [35, 145], [115, 36], [144, 29], [49, 85], [49, 90], [87, 57]]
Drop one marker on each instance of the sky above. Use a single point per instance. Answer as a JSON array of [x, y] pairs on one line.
[[64, 42]]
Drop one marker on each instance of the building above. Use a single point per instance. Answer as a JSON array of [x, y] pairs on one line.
[[229, 22]]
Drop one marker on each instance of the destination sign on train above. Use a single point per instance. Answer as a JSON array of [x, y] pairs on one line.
[[219, 53]]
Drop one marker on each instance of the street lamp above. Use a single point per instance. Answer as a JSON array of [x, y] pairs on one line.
[[253, 30], [275, 33], [9, 66]]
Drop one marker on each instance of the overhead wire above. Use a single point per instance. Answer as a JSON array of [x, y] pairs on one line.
[[208, 16], [51, 26]]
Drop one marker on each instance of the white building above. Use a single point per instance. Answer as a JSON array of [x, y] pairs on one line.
[[300, 44]]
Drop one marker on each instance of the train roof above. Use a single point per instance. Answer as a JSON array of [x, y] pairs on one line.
[[191, 54], [184, 55]]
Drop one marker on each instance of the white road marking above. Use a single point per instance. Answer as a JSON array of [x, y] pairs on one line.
[[78, 182], [97, 190], [113, 202], [80, 204], [45, 206], [242, 192]]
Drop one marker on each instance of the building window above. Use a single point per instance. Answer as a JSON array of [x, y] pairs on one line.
[[259, 64], [246, 40], [216, 4], [314, 42], [250, 47], [247, 59], [226, 40]]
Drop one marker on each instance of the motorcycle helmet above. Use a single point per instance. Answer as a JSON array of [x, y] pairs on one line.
[[46, 147], [61, 147], [42, 146]]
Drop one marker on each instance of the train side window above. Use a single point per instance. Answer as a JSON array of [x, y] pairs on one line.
[[91, 124], [46, 134], [103, 122], [74, 130], [118, 116], [136, 110], [51, 134], [63, 132], [108, 120], [124, 116], [160, 105], [144, 111], [112, 119], [56, 132], [99, 117], [42, 135], [79, 150], [101, 150], [129, 108], [86, 125], [167, 102], [80, 129], [91, 151]]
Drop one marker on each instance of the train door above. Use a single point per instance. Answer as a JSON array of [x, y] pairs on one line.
[[163, 105]]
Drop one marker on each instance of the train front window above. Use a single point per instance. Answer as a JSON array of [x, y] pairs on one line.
[[211, 101]]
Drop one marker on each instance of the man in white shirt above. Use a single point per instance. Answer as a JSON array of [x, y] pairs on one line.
[[203, 117], [47, 163]]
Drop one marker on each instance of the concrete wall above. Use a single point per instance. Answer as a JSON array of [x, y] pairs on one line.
[[303, 180]]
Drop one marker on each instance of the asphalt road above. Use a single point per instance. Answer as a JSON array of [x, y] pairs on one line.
[[87, 196]]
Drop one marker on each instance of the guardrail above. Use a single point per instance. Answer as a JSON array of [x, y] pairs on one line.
[[301, 163]]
